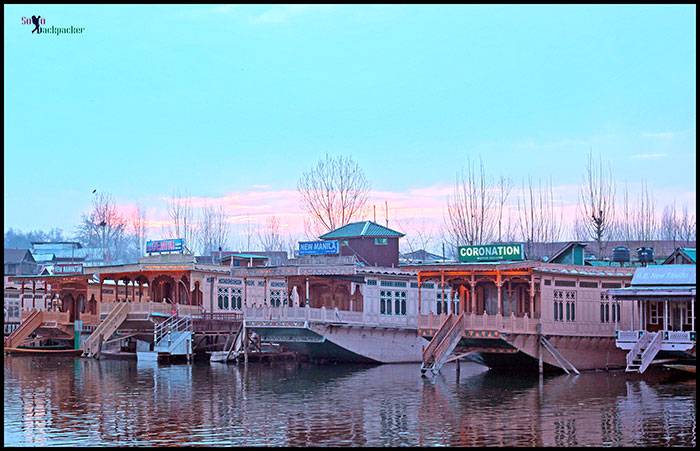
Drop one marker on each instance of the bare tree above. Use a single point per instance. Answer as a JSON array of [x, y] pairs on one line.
[[269, 237], [221, 228], [669, 229], [181, 217], [504, 188], [419, 235], [687, 231], [333, 192], [138, 229], [205, 230], [643, 225], [104, 227], [597, 202], [470, 213], [539, 218]]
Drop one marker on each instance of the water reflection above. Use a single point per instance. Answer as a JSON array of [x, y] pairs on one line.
[[66, 401]]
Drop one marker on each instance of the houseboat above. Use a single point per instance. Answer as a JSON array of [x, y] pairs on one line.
[[662, 298]]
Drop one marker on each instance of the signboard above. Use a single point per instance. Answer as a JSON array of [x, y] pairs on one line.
[[172, 245], [665, 275], [491, 252], [68, 268], [318, 247]]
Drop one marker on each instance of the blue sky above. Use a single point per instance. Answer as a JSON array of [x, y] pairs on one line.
[[227, 100]]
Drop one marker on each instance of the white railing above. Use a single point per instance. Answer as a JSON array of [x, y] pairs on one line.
[[643, 341], [676, 336], [628, 335], [651, 351]]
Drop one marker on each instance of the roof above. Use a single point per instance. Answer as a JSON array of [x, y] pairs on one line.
[[422, 254], [361, 230], [687, 252], [17, 255], [662, 248], [566, 248], [664, 275], [245, 256]]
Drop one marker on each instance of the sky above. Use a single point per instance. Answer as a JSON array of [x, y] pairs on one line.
[[232, 103]]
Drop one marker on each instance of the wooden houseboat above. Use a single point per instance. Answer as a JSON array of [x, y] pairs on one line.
[[662, 299]]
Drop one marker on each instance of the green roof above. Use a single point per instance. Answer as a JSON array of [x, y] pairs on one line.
[[244, 256], [690, 252], [361, 229]]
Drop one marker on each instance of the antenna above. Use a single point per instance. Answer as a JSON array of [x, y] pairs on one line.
[[386, 213], [375, 212]]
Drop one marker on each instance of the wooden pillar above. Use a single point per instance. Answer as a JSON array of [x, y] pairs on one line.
[[33, 294], [472, 284], [245, 293], [532, 295], [133, 290], [692, 315], [21, 296], [665, 315], [140, 291], [499, 284], [307, 291], [101, 285], [420, 300], [265, 292], [442, 287]]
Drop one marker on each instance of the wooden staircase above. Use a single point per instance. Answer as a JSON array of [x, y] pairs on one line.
[[115, 318], [29, 325], [443, 343], [642, 354], [563, 363]]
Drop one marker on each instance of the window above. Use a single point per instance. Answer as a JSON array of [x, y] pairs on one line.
[[441, 303], [389, 283], [611, 285], [564, 283], [277, 298], [223, 298], [607, 313], [399, 302], [371, 282], [688, 319], [381, 241], [602, 312], [568, 311], [547, 282], [385, 302], [573, 311], [654, 315], [236, 299], [584, 284]]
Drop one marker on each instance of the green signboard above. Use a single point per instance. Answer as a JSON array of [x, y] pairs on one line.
[[491, 252]]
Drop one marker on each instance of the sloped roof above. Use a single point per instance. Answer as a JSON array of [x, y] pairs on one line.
[[362, 229], [687, 252], [16, 255], [664, 275], [422, 254]]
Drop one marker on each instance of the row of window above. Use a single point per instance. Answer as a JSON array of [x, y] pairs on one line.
[[560, 307], [608, 308], [397, 299], [230, 294], [582, 284]]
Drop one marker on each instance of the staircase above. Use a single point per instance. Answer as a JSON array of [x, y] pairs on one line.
[[234, 350], [642, 354], [561, 360], [173, 336], [115, 318], [443, 343], [29, 325]]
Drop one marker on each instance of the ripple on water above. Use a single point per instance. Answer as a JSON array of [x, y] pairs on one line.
[[84, 402]]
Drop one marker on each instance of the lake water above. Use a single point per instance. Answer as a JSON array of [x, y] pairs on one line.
[[73, 401]]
